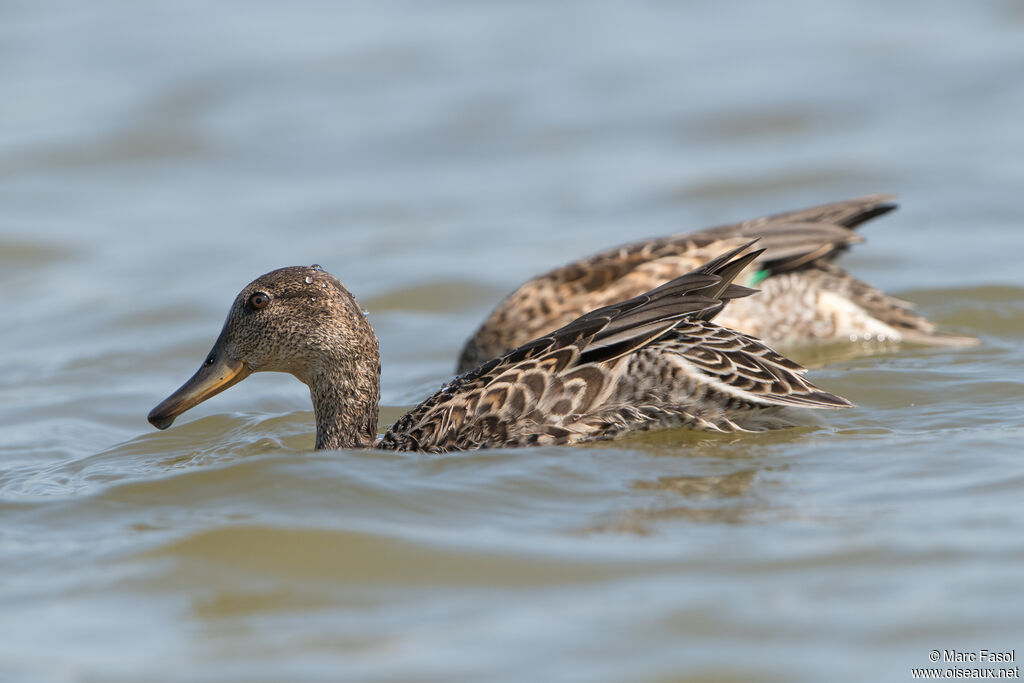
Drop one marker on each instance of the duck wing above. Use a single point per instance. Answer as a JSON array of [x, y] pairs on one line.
[[656, 359]]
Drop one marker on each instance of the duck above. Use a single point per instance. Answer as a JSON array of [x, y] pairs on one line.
[[656, 360], [805, 298]]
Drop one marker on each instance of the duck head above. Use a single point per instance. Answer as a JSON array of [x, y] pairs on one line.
[[303, 321]]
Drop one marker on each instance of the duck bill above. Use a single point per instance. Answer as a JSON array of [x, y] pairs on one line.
[[209, 380]]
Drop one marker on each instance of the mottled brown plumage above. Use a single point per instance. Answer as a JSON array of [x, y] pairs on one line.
[[805, 298], [655, 360]]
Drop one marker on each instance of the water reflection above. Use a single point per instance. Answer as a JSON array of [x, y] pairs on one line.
[[710, 486], [709, 500]]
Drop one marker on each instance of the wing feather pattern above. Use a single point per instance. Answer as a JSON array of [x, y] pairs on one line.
[[654, 360]]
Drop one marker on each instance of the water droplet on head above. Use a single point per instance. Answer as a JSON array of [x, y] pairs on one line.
[[309, 279], [316, 266]]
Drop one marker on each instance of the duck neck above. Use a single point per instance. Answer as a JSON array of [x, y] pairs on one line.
[[342, 370], [345, 405]]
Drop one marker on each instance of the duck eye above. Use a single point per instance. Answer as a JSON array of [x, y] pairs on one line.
[[259, 300]]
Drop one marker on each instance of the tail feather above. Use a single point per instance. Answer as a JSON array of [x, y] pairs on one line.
[[796, 239]]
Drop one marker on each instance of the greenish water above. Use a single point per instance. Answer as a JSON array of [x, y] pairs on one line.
[[155, 158]]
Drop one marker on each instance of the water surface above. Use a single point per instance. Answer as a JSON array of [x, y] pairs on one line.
[[156, 157]]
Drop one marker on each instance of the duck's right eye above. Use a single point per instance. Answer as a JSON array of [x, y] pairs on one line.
[[210, 360]]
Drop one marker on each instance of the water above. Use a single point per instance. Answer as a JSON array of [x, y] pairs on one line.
[[154, 158]]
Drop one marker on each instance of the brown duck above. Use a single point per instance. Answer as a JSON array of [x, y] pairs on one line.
[[805, 298], [655, 360]]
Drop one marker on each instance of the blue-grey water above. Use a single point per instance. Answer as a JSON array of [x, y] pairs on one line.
[[155, 157]]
